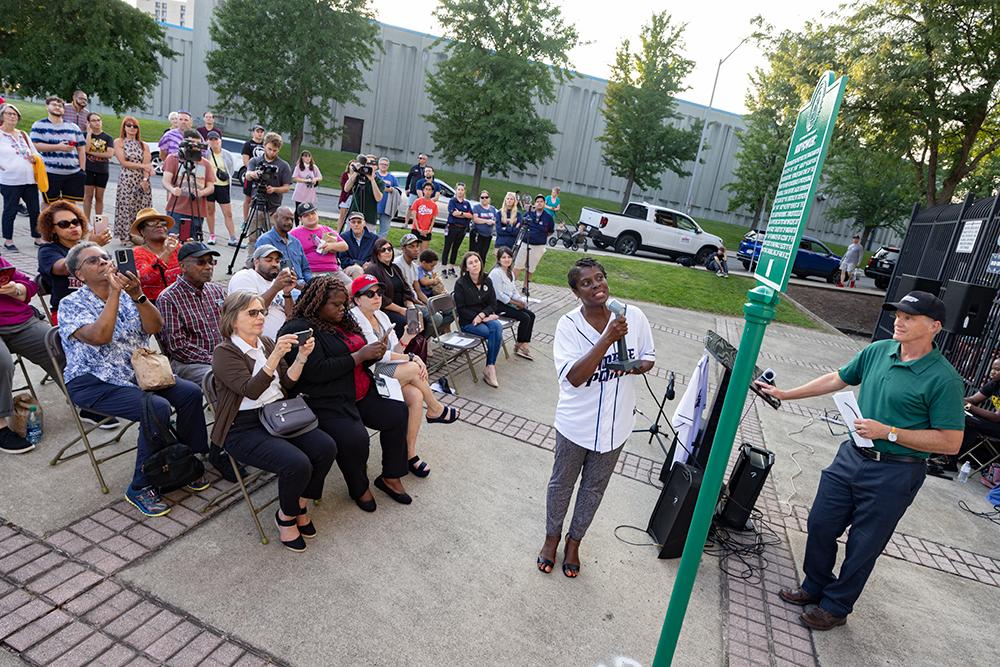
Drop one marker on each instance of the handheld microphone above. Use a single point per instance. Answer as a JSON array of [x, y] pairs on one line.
[[670, 387], [767, 376], [623, 363]]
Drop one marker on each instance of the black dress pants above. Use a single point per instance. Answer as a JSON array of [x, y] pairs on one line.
[[453, 243], [525, 320], [382, 414]]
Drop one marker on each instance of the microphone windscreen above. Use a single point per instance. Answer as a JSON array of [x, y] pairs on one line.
[[616, 307]]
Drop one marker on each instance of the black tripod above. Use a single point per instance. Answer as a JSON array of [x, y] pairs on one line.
[[654, 430], [522, 238], [189, 187], [256, 222]]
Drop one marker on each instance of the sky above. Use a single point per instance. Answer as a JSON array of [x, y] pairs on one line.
[[714, 28]]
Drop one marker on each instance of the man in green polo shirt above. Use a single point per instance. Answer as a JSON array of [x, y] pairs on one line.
[[911, 401]]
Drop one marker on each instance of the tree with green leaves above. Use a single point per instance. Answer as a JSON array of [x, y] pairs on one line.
[[874, 188], [109, 49], [504, 59], [642, 137], [260, 68]]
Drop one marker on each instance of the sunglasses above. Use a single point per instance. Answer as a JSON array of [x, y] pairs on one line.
[[155, 223], [97, 259], [484, 196], [372, 293], [256, 312], [66, 224], [133, 125], [387, 248]]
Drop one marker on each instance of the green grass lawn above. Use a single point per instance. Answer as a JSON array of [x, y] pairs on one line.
[[654, 282], [149, 129]]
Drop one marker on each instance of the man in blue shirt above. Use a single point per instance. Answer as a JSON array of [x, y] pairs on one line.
[[539, 225], [289, 246], [63, 147], [360, 243], [389, 202], [459, 215], [428, 178]]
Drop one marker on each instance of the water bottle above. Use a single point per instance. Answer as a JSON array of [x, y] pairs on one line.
[[34, 428], [963, 474]]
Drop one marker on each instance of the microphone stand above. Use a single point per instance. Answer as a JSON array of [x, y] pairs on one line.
[[655, 430]]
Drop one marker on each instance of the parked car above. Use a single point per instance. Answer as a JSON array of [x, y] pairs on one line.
[[881, 265], [642, 226], [812, 259], [444, 196]]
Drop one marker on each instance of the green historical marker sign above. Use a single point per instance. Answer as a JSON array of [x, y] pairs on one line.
[[799, 178]]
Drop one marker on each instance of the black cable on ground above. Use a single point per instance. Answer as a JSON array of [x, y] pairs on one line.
[[993, 516]]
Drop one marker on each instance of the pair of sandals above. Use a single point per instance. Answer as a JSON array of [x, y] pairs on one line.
[[570, 570], [448, 416], [298, 545]]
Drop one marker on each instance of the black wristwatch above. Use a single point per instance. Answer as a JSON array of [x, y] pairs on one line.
[[141, 300], [410, 355]]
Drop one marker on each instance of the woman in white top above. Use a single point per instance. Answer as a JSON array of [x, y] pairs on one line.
[[249, 372], [596, 409], [511, 303], [17, 175], [408, 369]]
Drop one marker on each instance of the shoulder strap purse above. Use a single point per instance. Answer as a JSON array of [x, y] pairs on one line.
[[288, 417]]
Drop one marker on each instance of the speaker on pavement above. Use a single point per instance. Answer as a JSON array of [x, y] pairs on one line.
[[909, 284], [967, 307], [744, 487], [671, 518]]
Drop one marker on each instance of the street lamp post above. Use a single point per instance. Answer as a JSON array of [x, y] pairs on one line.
[[704, 127]]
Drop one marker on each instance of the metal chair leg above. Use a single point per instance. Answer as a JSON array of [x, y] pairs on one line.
[[249, 501], [472, 369]]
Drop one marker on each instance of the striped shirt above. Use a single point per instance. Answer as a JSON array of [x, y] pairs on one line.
[[45, 131], [190, 320]]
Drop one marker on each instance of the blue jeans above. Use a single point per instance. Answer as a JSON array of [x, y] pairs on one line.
[[492, 331], [870, 497], [179, 218], [91, 393], [12, 196], [384, 223]]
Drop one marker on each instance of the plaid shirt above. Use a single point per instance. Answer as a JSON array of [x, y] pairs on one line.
[[191, 321]]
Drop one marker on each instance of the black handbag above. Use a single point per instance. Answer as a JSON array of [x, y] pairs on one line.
[[173, 464], [288, 417], [221, 175]]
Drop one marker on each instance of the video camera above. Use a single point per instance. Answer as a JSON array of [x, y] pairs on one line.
[[190, 150], [363, 167], [267, 170]]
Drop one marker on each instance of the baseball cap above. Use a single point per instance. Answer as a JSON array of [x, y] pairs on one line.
[[214, 135], [257, 126], [408, 239], [919, 303], [194, 249], [265, 250], [305, 208], [355, 214], [363, 282]]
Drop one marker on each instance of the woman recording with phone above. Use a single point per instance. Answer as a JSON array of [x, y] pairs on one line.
[[408, 369], [249, 372]]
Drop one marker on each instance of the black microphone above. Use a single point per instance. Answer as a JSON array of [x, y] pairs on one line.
[[670, 387]]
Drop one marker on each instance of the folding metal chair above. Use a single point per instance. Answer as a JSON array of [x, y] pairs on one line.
[[53, 345], [984, 452], [453, 344], [208, 388]]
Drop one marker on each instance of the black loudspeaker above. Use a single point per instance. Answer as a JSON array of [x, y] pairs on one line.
[[909, 284], [671, 518], [745, 484], [968, 307]]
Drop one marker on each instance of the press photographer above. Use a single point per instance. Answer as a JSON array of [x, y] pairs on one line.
[[366, 189], [268, 179], [188, 178]]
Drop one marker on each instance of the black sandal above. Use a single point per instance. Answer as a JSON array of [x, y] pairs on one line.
[[570, 570], [545, 563], [418, 467], [297, 545], [447, 416], [308, 530]]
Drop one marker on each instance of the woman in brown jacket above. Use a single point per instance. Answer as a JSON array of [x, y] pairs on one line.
[[249, 373]]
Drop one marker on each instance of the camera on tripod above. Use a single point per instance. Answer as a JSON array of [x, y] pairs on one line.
[[190, 151], [363, 167]]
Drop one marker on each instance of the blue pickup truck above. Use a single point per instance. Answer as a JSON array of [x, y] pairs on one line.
[[812, 259]]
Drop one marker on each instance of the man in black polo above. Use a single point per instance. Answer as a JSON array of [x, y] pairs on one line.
[[911, 404]]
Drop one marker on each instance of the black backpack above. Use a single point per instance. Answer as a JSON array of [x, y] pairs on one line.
[[173, 464]]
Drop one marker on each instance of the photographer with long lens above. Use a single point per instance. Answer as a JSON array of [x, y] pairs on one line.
[[366, 189], [270, 172], [188, 178]]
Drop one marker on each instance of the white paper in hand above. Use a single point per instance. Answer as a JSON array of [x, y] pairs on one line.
[[847, 404]]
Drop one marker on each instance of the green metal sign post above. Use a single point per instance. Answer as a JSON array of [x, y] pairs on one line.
[[790, 210]]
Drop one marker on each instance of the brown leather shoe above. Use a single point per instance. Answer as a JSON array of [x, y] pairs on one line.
[[818, 618], [797, 596]]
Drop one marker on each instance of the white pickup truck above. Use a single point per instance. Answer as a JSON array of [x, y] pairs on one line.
[[644, 226]]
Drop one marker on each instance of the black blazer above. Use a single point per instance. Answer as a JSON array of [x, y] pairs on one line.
[[470, 300], [327, 379]]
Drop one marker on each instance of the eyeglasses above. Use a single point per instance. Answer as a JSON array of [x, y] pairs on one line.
[[97, 259], [66, 224], [387, 248], [372, 293], [484, 196], [205, 261], [256, 312]]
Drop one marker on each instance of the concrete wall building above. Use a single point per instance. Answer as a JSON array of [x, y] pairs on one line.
[[389, 121]]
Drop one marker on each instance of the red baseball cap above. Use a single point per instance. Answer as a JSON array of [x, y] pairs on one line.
[[363, 282]]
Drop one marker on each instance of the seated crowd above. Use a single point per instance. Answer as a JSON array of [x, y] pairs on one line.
[[311, 316]]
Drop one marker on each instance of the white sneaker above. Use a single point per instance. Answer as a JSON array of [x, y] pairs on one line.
[[211, 239], [719, 273]]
